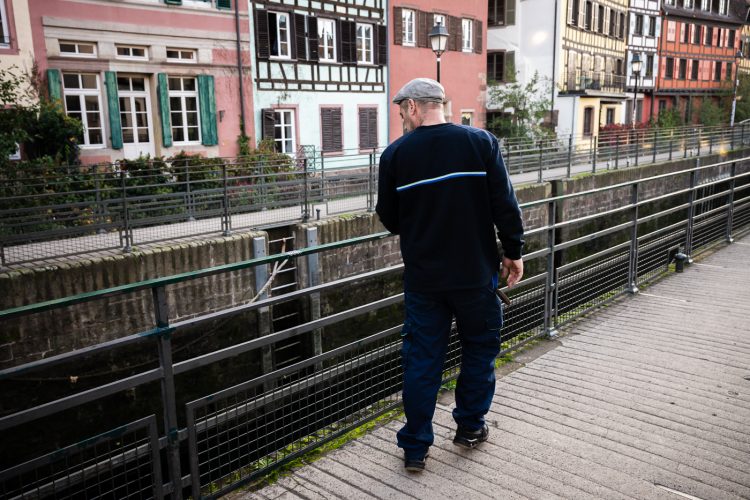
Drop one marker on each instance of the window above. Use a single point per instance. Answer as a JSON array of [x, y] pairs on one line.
[[467, 35], [709, 34], [364, 43], [729, 71], [622, 26], [589, 13], [717, 71], [669, 2], [685, 33], [688, 4], [638, 25], [183, 109], [588, 120], [683, 69], [77, 49], [730, 42], [705, 5], [612, 23], [600, 20], [439, 19], [82, 102], [650, 65], [407, 18], [4, 31], [278, 23], [662, 105], [283, 132], [723, 4], [670, 68], [133, 109], [467, 118], [181, 55], [652, 26], [330, 123], [618, 67], [131, 52], [496, 66], [696, 34], [368, 128], [574, 12], [496, 16], [694, 69], [610, 116], [326, 40]]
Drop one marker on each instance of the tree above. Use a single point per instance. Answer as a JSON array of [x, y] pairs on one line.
[[711, 114], [524, 106], [669, 118], [743, 99], [30, 118]]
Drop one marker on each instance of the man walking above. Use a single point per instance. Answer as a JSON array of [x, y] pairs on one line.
[[444, 188]]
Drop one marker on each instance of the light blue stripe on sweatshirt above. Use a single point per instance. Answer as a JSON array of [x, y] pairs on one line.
[[441, 178]]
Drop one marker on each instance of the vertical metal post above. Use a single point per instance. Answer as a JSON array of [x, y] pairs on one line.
[[732, 132], [691, 213], [99, 211], [596, 152], [671, 144], [189, 194], [617, 151], [710, 144], [323, 197], [540, 161], [264, 313], [550, 315], [633, 263], [742, 131], [306, 189], [685, 144], [313, 279], [371, 184], [128, 237], [509, 152], [226, 220], [730, 202], [169, 400], [570, 154], [591, 151], [637, 146], [698, 145], [655, 145]]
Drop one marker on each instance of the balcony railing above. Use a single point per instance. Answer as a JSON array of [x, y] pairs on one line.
[[579, 81]]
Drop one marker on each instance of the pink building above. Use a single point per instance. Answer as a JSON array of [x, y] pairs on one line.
[[151, 78], [463, 65]]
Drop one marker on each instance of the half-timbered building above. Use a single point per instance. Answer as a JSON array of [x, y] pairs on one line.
[[643, 40], [592, 70], [698, 53], [462, 65], [320, 73]]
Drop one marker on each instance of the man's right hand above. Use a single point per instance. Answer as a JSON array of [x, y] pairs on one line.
[[512, 271]]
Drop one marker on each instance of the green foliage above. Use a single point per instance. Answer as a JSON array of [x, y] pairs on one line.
[[526, 106], [197, 171], [743, 99], [712, 114], [243, 141], [670, 118], [30, 118]]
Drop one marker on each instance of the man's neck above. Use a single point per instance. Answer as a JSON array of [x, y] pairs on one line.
[[433, 117]]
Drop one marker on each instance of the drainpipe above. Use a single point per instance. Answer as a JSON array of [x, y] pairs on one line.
[[554, 60], [239, 66]]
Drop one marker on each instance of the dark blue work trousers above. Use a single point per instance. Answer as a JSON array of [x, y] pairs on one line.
[[425, 335]]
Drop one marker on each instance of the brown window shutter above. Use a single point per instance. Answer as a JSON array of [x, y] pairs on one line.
[[268, 123], [342, 52], [301, 36], [381, 32], [292, 37], [368, 128], [347, 42], [454, 42], [372, 121], [262, 41], [312, 38], [331, 125], [478, 35], [337, 131], [422, 29], [398, 26]]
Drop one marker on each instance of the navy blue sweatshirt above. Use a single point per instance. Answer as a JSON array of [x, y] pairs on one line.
[[444, 188]]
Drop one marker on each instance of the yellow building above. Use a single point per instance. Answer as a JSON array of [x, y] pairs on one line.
[[16, 48], [745, 48], [591, 81]]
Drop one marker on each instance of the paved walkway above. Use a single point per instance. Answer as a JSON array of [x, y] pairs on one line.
[[648, 398]]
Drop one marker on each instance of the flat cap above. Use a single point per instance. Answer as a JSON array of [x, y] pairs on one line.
[[421, 89]]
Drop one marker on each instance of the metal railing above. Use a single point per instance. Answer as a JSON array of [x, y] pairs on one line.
[[213, 441], [75, 210], [594, 80]]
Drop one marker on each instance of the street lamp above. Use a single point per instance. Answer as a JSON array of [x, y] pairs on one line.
[[636, 66], [438, 40], [736, 84]]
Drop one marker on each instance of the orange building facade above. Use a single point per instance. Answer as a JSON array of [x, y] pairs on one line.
[[697, 54], [463, 65]]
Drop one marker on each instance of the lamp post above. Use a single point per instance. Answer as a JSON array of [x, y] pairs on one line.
[[636, 67], [736, 84], [438, 39]]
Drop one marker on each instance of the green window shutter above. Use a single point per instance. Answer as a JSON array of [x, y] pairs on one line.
[[113, 104], [54, 84], [162, 92], [207, 104], [223, 4]]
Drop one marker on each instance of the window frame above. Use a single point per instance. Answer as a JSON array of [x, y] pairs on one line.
[[649, 66], [131, 57], [588, 123], [638, 30], [277, 28], [467, 113], [467, 35], [682, 69], [94, 53], [669, 63], [323, 22], [82, 93], [651, 25], [182, 95], [5, 26], [292, 126], [408, 20], [180, 51], [717, 71], [499, 12], [364, 39]]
